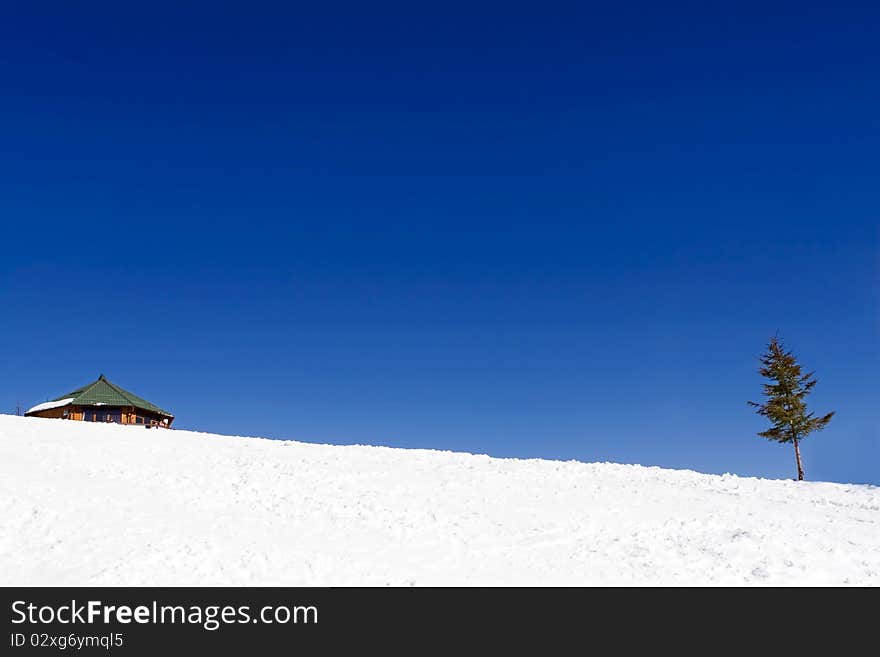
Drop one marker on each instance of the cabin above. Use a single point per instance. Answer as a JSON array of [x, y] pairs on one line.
[[102, 401]]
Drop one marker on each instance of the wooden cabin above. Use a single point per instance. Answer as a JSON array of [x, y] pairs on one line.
[[102, 401]]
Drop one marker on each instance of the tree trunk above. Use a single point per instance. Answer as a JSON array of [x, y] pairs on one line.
[[797, 453]]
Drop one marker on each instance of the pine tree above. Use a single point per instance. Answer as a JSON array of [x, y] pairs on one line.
[[786, 407]]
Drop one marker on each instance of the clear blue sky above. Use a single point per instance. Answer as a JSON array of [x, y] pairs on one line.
[[561, 231]]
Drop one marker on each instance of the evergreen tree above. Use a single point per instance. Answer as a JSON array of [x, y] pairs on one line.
[[786, 407]]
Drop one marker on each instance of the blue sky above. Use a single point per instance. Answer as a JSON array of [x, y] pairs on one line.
[[549, 231]]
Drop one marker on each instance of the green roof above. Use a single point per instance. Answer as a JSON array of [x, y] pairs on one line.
[[104, 393]]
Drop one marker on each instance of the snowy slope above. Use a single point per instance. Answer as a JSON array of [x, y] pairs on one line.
[[111, 505]]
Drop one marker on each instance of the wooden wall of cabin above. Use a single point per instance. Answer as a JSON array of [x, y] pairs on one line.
[[51, 413], [146, 418], [127, 416]]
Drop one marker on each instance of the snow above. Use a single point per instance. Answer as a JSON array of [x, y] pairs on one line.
[[45, 406], [99, 504]]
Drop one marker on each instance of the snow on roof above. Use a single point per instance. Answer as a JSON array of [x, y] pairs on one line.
[[45, 406]]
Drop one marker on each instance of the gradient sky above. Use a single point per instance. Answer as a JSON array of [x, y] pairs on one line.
[[561, 231]]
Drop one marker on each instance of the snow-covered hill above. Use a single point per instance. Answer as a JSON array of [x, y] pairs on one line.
[[110, 505]]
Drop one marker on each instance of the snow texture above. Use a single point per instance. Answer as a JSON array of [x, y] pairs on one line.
[[45, 406], [98, 504]]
